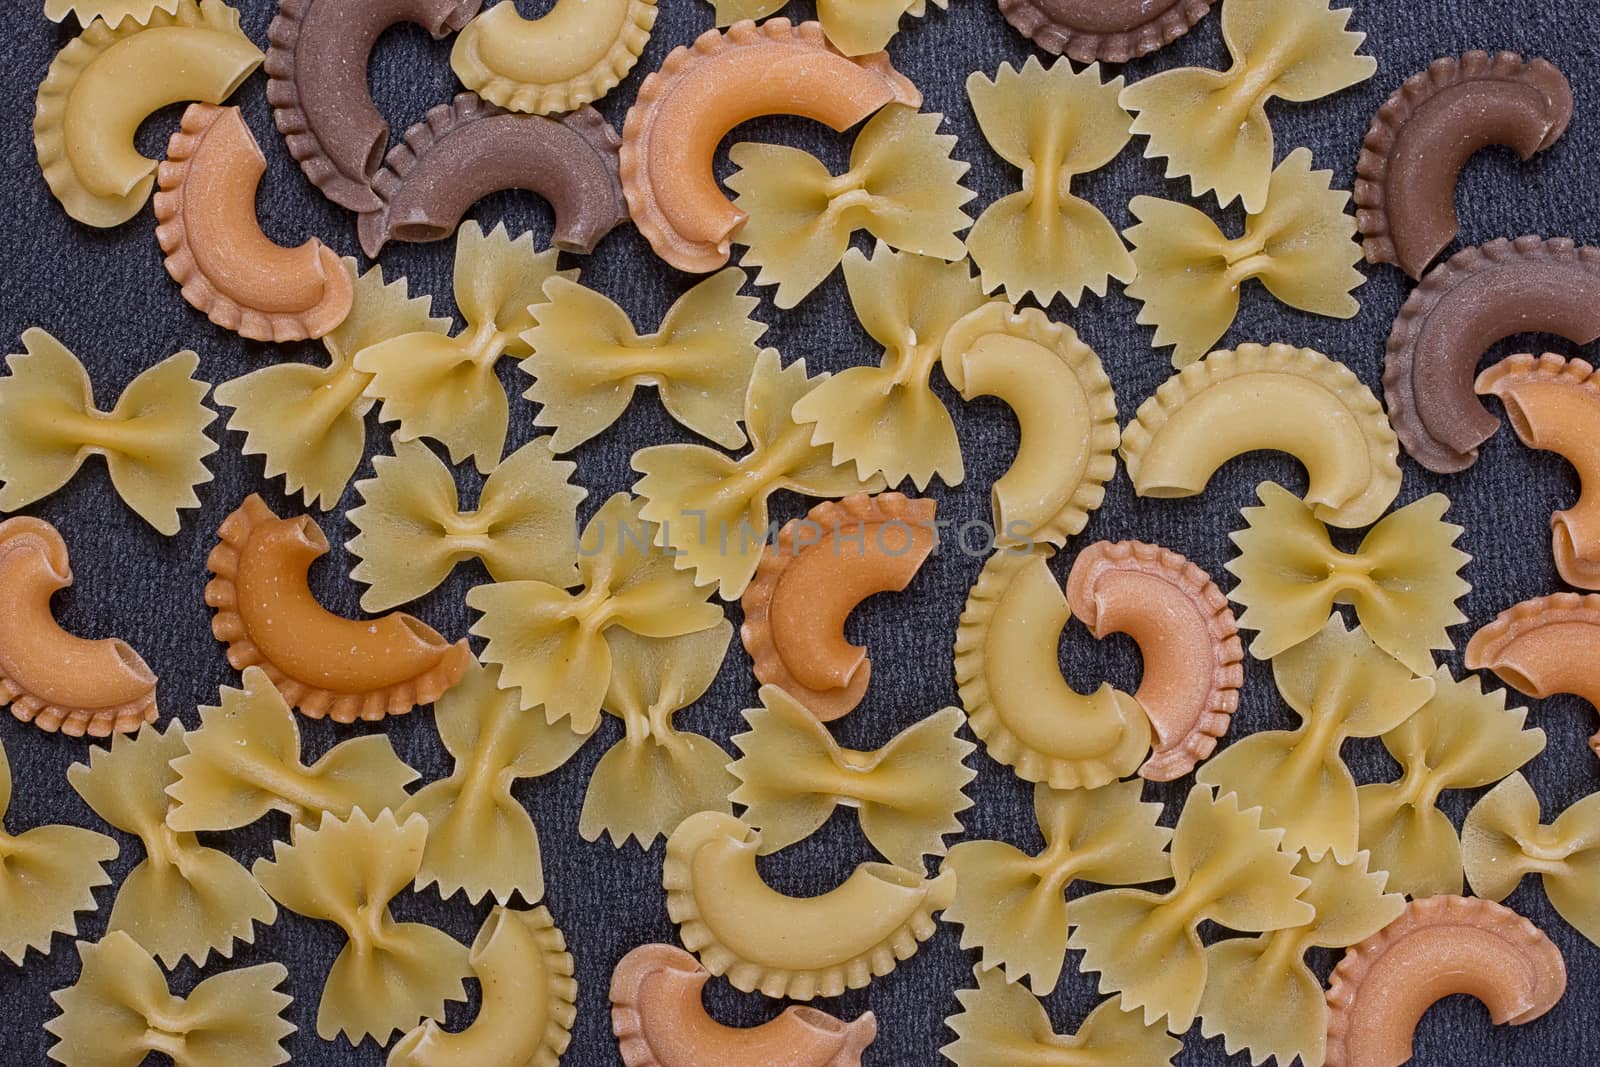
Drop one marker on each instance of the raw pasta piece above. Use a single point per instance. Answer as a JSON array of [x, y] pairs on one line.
[[1111, 31], [1212, 125], [1188, 644], [741, 928], [413, 533], [1438, 947], [1067, 413], [660, 1021], [480, 837], [854, 27], [1260, 995], [389, 976], [120, 1010], [52, 678], [1502, 841], [1403, 581], [903, 187], [1276, 397], [1002, 1025], [1013, 906], [1462, 738], [1052, 124], [112, 12], [1341, 685], [1226, 868], [573, 55], [521, 961], [1299, 246], [701, 92], [444, 386], [886, 419], [551, 643], [586, 360], [183, 899], [711, 510], [104, 84], [153, 440], [1544, 646], [310, 422], [1009, 676], [244, 761]]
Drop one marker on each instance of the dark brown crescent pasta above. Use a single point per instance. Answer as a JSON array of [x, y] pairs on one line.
[[1114, 31]]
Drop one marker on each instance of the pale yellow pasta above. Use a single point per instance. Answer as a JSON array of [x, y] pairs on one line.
[[575, 53], [902, 187], [854, 27], [111, 11]]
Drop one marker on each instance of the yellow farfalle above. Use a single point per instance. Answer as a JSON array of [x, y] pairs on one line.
[[112, 11], [1300, 245], [854, 27], [153, 440], [587, 359], [1212, 125], [1403, 581], [1051, 124], [1013, 907], [902, 187]]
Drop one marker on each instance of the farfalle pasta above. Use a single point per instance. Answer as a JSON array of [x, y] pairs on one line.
[[111, 11], [854, 27], [572, 55], [1002, 1025]]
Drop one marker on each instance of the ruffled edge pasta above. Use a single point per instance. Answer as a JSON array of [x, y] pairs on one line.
[[111, 12], [516, 90], [1033, 19]]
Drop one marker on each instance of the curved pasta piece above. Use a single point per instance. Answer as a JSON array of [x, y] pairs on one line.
[[153, 440], [701, 92], [1542, 647], [1108, 31], [1052, 124], [521, 961], [103, 85], [119, 1010], [1003, 1025], [317, 85], [1403, 581], [1277, 397], [323, 664], [572, 55], [586, 360], [741, 928], [51, 678], [1426, 131], [389, 976], [465, 150], [112, 12], [903, 187], [660, 1021], [1477, 297], [183, 899], [854, 27], [1299, 246], [1013, 906], [1438, 947], [1188, 643], [1212, 125], [229, 270], [808, 583], [244, 761], [1067, 413]]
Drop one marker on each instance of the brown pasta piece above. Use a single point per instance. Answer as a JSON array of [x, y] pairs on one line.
[[1112, 31], [1544, 646]]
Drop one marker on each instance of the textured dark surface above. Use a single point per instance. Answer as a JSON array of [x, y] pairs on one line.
[[106, 296]]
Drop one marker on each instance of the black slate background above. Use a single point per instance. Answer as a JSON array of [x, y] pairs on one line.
[[107, 297]]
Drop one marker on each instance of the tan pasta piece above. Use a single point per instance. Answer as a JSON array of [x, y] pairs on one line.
[[389, 976], [1052, 124], [183, 899], [120, 1010], [573, 55], [1544, 646], [660, 1021], [854, 27], [521, 961], [1438, 947], [104, 84], [1013, 906], [741, 928], [1275, 397], [153, 440], [323, 664], [51, 678], [1300, 245], [230, 270], [1003, 1025], [112, 12]]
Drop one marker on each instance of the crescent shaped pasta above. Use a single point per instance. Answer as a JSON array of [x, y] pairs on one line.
[[112, 12], [1111, 31], [103, 85], [183, 899], [854, 27], [741, 928], [153, 440], [1275, 397], [1052, 124], [1542, 647], [389, 975], [572, 55], [52, 678]]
